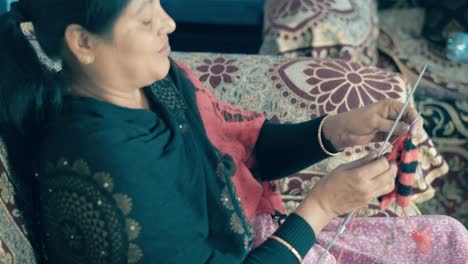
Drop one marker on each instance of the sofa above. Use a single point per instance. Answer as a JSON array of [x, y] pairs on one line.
[[286, 90]]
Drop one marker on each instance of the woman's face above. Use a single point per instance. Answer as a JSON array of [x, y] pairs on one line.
[[137, 54]]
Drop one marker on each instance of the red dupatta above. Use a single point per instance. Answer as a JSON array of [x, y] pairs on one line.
[[234, 132]]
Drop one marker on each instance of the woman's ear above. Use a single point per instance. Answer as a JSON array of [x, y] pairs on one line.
[[81, 43]]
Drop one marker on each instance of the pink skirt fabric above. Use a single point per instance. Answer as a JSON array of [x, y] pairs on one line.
[[382, 240]]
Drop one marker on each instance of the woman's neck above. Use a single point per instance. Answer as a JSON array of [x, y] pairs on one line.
[[134, 98]]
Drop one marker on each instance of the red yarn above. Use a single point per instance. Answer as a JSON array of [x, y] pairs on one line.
[[406, 154]]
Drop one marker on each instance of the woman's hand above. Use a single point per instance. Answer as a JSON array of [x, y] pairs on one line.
[[370, 124], [348, 187]]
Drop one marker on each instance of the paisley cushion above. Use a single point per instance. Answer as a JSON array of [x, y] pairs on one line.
[[346, 29]]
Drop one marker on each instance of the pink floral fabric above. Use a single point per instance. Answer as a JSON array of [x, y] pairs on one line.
[[381, 240]]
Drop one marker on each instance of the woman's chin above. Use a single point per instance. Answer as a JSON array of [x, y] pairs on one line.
[[161, 69]]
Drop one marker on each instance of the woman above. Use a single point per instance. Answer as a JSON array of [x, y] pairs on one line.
[[138, 163]]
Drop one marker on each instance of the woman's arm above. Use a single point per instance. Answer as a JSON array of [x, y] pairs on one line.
[[284, 149], [296, 232]]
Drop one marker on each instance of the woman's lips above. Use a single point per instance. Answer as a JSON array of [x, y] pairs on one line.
[[166, 49]]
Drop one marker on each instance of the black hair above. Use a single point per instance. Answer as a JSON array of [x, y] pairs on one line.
[[27, 87], [29, 90]]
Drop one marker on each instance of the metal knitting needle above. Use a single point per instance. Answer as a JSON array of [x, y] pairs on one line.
[[402, 111], [342, 227]]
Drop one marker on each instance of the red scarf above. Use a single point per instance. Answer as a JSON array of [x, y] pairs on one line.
[[234, 132]]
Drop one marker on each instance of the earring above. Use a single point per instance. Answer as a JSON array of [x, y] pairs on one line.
[[88, 60]]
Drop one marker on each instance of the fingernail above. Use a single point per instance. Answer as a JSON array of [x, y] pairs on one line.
[[405, 127]]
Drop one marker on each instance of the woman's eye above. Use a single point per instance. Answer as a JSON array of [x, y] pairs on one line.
[[147, 23]]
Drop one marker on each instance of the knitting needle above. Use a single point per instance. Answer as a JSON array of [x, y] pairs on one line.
[[402, 111], [342, 227]]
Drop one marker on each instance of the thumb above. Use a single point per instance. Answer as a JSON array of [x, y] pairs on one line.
[[360, 162], [385, 125]]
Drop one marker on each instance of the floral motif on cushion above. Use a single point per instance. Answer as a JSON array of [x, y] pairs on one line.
[[218, 70], [334, 86], [401, 39], [345, 29]]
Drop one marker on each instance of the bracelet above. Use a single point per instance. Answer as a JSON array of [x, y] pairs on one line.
[[289, 247], [320, 138]]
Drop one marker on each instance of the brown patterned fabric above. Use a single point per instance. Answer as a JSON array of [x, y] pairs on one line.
[[447, 123], [295, 90], [15, 247], [443, 18], [401, 39], [346, 29]]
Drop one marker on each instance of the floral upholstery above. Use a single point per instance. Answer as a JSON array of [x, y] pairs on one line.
[[401, 39], [346, 29], [294, 90]]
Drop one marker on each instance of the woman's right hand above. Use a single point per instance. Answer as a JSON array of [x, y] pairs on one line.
[[349, 186]]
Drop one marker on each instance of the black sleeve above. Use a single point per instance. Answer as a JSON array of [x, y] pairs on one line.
[[295, 231], [284, 149]]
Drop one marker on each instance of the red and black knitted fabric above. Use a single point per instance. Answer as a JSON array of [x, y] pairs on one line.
[[406, 155]]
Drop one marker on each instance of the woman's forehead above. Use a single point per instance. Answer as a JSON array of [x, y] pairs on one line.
[[136, 7]]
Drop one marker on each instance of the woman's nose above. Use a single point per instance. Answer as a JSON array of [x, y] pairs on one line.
[[167, 25]]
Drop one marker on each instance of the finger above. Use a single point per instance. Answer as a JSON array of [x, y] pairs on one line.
[[394, 108], [370, 169], [417, 128], [360, 162], [385, 125], [381, 136], [385, 182]]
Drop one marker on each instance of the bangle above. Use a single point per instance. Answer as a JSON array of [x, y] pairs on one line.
[[320, 132], [289, 247]]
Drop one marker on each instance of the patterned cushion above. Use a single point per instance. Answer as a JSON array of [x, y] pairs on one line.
[[294, 90], [346, 29], [15, 247], [402, 40], [447, 124]]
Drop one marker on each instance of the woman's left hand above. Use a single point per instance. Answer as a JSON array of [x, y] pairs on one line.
[[370, 123]]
